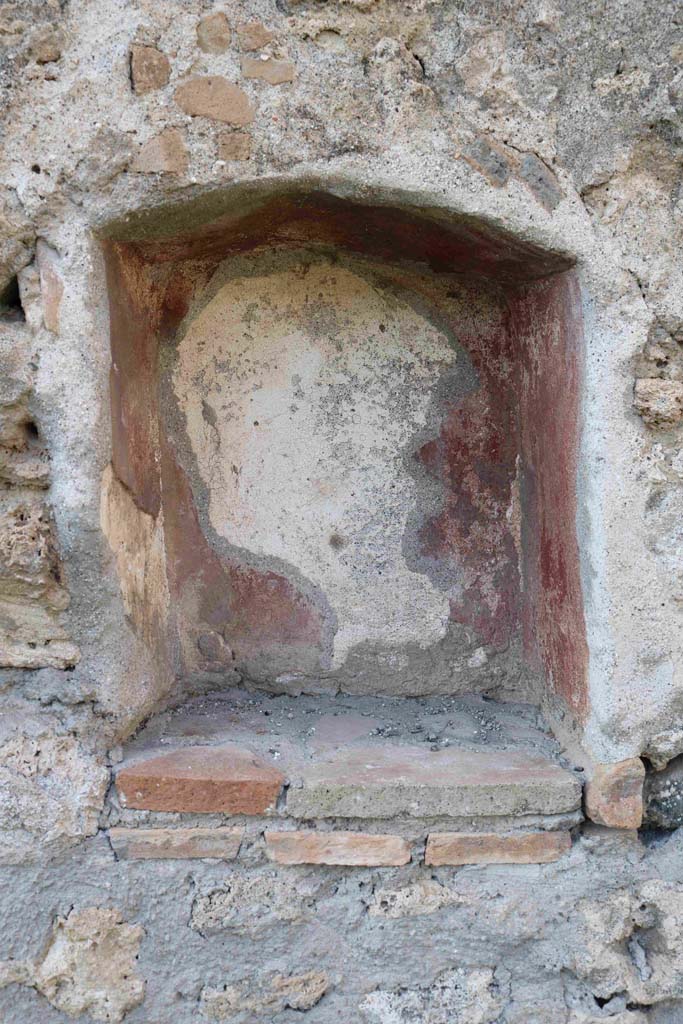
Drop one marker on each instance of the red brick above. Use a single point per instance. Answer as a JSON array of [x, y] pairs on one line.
[[213, 33], [614, 794], [274, 72], [166, 153], [254, 35], [214, 97], [224, 779], [357, 849], [493, 848], [234, 146], [149, 68], [176, 843]]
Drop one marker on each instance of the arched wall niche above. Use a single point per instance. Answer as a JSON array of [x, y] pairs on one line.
[[351, 425]]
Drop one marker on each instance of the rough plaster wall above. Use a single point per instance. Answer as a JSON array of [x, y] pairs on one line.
[[305, 393], [589, 940], [560, 121]]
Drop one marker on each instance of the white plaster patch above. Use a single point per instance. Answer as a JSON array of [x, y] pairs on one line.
[[301, 390]]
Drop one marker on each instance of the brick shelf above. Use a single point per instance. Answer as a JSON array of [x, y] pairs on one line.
[[227, 779], [480, 782]]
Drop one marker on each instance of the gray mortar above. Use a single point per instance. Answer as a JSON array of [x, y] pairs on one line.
[[525, 921]]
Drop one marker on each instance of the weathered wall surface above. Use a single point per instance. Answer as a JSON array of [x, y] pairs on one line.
[[557, 122], [296, 387]]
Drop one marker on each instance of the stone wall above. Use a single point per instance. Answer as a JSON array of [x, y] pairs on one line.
[[552, 126]]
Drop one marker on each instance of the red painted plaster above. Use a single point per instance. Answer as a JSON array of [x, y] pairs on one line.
[[546, 323], [524, 413]]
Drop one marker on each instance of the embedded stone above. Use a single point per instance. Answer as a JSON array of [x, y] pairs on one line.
[[234, 146], [614, 794], [46, 45], [176, 843], [455, 996], [491, 848], [275, 72], [149, 69], [663, 795], [225, 779], [540, 180], [353, 849], [214, 97], [213, 33], [489, 158], [90, 965], [166, 153], [51, 285], [262, 998], [372, 782], [659, 402], [253, 35], [414, 899], [32, 593]]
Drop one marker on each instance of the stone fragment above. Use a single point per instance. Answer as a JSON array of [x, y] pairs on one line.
[[166, 153], [149, 69], [25, 468], [234, 146], [659, 402], [17, 237], [32, 595], [249, 997], [176, 843], [629, 941], [415, 899], [372, 782], [214, 97], [90, 965], [46, 45], [489, 158], [15, 972], [356, 849], [213, 33], [663, 796], [253, 35], [330, 40], [23, 458], [454, 997], [51, 790], [249, 903], [225, 779], [661, 356], [492, 848], [275, 72], [614, 794], [540, 180], [51, 284]]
